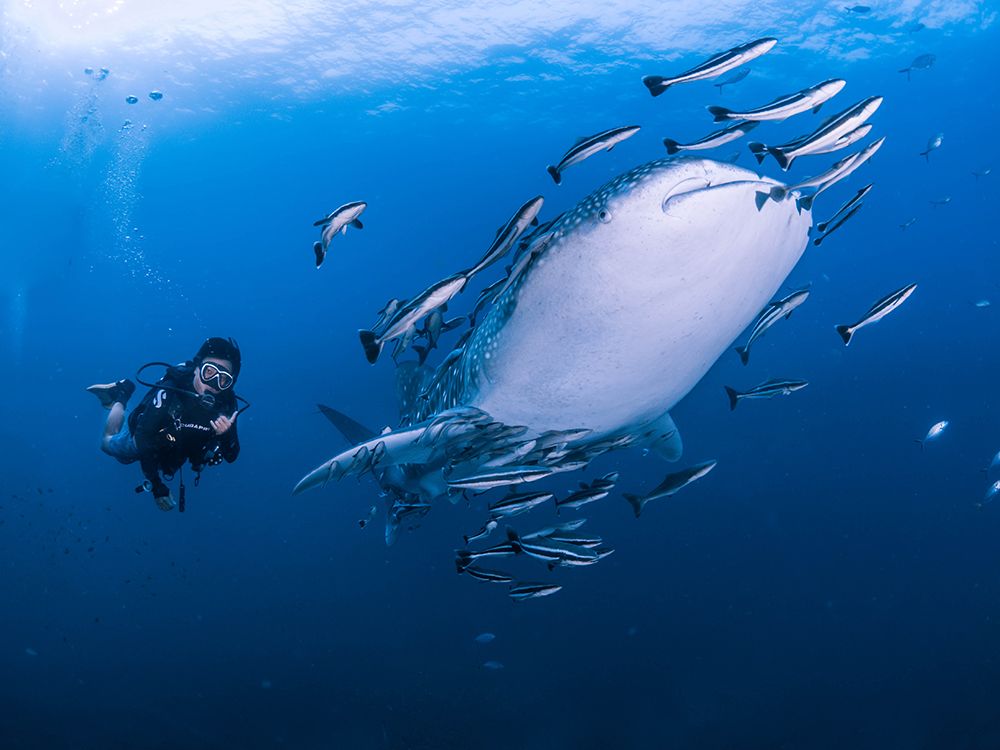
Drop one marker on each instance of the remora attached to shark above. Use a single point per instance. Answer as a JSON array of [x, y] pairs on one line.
[[614, 316]]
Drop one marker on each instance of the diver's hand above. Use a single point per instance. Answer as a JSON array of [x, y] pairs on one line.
[[223, 423], [161, 495]]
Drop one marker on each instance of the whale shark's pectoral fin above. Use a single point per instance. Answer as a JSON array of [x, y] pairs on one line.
[[662, 436], [353, 432]]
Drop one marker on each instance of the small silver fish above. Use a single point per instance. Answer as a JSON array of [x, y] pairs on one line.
[[670, 485], [921, 62], [718, 138], [587, 147], [933, 433], [337, 221], [877, 311], [771, 314], [767, 389], [933, 144], [521, 591], [714, 66], [785, 106]]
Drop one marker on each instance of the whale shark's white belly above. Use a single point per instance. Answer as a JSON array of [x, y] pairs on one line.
[[649, 281]]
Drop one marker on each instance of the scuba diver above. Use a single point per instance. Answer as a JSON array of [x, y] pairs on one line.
[[189, 415]]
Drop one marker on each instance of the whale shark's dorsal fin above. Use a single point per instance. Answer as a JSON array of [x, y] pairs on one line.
[[662, 436]]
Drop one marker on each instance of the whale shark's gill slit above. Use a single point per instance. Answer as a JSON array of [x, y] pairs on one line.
[[690, 185]]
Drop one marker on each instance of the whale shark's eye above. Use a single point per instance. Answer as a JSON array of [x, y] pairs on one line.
[[690, 185], [604, 215]]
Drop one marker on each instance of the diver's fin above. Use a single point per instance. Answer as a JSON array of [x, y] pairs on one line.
[[352, 431], [662, 436]]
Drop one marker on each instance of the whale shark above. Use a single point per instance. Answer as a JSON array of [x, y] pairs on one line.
[[606, 321]]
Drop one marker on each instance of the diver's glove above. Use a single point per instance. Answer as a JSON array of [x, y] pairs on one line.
[[161, 494]]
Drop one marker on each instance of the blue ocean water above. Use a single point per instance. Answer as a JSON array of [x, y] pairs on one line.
[[829, 584]]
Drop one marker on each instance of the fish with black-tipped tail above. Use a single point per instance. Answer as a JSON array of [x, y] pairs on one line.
[[977, 173], [548, 550], [767, 389], [933, 143], [837, 132], [828, 179], [487, 574], [670, 485], [521, 591], [738, 75], [856, 198], [933, 433], [770, 315], [408, 315], [877, 311], [492, 478], [518, 502], [839, 223], [783, 107], [908, 223], [337, 221], [714, 66], [921, 62], [587, 147], [464, 558], [718, 138], [942, 201], [508, 234]]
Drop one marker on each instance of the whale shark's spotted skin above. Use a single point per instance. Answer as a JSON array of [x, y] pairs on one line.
[[630, 298]]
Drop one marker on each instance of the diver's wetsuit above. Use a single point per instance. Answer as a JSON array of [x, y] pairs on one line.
[[171, 427]]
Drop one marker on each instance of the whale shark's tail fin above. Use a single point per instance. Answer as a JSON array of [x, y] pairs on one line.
[[734, 397], [846, 333]]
